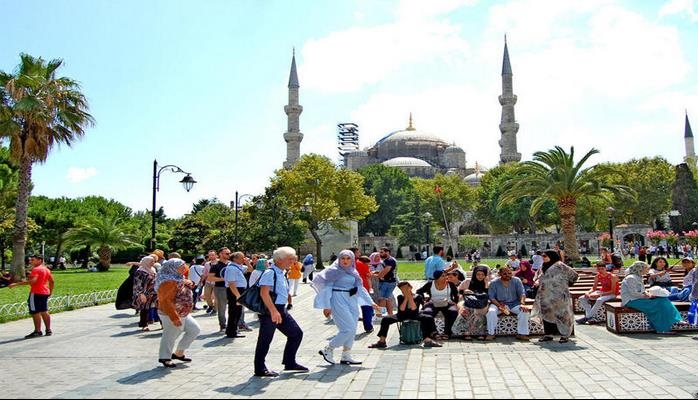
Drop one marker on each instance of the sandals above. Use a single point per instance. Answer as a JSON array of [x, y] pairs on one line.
[[378, 345], [167, 363], [564, 339], [181, 358], [545, 339], [431, 343]]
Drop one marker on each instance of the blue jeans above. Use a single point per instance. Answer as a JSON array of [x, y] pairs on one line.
[[386, 289]]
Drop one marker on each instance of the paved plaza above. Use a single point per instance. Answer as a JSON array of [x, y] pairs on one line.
[[99, 352]]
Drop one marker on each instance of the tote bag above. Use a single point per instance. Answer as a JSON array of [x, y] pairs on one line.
[[251, 298]]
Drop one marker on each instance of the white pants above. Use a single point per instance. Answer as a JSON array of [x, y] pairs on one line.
[[293, 286], [493, 318], [307, 270], [590, 311], [170, 333]]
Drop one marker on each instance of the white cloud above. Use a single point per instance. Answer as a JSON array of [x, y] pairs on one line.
[[684, 7], [77, 175]]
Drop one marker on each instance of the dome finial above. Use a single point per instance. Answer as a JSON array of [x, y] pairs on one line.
[[410, 127]]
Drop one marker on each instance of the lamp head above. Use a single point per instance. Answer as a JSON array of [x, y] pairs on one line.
[[188, 182]]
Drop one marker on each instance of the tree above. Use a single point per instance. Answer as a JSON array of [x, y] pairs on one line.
[[269, 222], [393, 191], [447, 197], [9, 178], [105, 233], [38, 111], [187, 235], [323, 195], [554, 175], [684, 196]]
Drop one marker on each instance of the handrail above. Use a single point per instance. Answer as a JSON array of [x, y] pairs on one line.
[[59, 303]]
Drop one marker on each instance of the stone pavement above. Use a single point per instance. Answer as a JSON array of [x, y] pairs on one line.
[[99, 352]]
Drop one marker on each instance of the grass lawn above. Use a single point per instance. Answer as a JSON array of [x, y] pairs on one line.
[[72, 281]]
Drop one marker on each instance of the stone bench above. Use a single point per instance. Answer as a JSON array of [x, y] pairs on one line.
[[506, 326], [621, 319]]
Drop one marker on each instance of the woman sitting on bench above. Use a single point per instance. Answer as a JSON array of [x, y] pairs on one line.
[[660, 311]]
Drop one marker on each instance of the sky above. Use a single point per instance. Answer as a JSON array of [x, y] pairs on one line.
[[202, 85]]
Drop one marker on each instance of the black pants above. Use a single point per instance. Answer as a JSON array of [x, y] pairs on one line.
[[288, 327], [426, 321], [234, 313], [143, 322], [450, 315], [550, 328]]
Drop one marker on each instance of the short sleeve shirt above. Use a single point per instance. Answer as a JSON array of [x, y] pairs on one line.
[[390, 276], [42, 275], [235, 273], [216, 269], [281, 290]]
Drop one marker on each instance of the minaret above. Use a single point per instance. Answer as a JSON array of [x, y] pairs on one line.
[[293, 135], [508, 125], [688, 142]]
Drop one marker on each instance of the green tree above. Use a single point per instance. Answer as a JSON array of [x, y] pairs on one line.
[[9, 178], [554, 175], [323, 195], [393, 191], [650, 177], [684, 196], [38, 111], [188, 234], [270, 222], [451, 201], [105, 233]]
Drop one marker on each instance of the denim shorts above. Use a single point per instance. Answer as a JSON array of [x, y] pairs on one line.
[[386, 289]]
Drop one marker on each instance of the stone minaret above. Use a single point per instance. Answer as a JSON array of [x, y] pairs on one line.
[[508, 125], [688, 142], [293, 135]]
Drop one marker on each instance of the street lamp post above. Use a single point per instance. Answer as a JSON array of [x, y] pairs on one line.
[[237, 209], [427, 216], [610, 210], [188, 182]]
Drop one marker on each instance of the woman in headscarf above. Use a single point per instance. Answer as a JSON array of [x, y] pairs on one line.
[[259, 267], [340, 289], [660, 311], [471, 321], [525, 273], [175, 304], [554, 303], [144, 296]]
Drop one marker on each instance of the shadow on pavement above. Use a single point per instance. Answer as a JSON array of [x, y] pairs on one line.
[[144, 376], [121, 316], [12, 341]]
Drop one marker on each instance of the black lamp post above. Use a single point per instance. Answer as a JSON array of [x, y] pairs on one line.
[[188, 182], [427, 216], [610, 210], [237, 209]]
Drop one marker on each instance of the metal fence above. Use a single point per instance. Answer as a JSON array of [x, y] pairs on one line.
[[59, 303]]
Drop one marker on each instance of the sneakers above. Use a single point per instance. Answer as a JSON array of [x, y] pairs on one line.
[[34, 334], [267, 374], [347, 360], [582, 320], [244, 328], [369, 330], [326, 353]]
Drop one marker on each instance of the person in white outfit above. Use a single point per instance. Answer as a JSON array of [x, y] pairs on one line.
[[340, 288]]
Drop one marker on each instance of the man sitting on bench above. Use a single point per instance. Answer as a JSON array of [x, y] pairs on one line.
[[507, 296]]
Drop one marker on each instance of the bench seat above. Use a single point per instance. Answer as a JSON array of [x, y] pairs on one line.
[[621, 319]]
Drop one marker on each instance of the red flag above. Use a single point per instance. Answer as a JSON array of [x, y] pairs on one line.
[[437, 189]]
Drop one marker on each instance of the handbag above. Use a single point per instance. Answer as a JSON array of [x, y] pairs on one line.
[[476, 300], [693, 313], [251, 298]]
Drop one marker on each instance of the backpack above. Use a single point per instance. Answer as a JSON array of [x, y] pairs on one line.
[[410, 332]]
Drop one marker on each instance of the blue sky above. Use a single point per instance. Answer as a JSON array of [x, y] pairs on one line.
[[202, 85]]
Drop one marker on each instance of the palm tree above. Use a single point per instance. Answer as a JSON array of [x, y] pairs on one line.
[[553, 175], [104, 233], [38, 111]]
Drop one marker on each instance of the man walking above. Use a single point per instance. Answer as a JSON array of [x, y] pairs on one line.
[[41, 288]]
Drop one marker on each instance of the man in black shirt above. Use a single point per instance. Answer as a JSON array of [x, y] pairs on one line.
[[408, 308]]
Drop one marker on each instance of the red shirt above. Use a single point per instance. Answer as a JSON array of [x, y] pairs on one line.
[[42, 275], [362, 269]]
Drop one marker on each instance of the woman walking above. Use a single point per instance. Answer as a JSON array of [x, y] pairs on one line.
[[144, 296], [175, 304], [554, 303], [340, 288]]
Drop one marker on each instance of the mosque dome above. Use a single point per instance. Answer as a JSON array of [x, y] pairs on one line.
[[402, 162], [475, 178], [453, 149]]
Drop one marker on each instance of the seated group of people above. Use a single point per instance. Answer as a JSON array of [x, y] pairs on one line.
[[470, 309]]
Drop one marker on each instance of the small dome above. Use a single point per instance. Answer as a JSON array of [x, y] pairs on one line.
[[406, 162], [410, 136], [453, 149]]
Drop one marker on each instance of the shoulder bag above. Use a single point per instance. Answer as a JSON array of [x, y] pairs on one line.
[[251, 297]]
